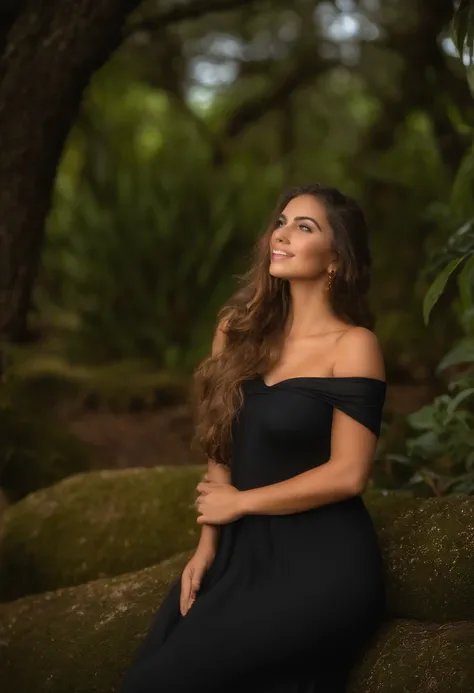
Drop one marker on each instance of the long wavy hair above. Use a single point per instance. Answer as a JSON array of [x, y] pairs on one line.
[[255, 317]]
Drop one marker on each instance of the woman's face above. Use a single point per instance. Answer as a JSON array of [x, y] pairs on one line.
[[303, 233]]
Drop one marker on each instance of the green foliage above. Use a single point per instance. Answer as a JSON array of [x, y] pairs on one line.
[[158, 202], [437, 287], [146, 234], [42, 379], [463, 28], [462, 32], [440, 454], [459, 244], [143, 265], [158, 199]]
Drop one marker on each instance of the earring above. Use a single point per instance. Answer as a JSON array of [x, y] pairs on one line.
[[332, 274]]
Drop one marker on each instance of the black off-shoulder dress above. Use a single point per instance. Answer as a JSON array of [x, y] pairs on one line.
[[290, 600]]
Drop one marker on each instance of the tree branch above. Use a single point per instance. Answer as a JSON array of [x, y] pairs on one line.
[[190, 10], [303, 72]]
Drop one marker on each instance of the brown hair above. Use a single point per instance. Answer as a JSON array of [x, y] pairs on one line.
[[255, 316]]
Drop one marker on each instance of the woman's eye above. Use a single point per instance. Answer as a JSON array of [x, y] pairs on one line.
[[306, 228]]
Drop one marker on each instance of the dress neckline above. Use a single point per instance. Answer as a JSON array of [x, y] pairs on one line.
[[321, 377]]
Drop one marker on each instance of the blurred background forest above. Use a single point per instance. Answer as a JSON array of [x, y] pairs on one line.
[[142, 153]]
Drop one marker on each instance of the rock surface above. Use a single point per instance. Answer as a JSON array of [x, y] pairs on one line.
[[81, 639], [96, 525], [108, 523], [428, 549]]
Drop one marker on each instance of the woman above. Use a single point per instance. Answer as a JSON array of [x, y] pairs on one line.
[[287, 583]]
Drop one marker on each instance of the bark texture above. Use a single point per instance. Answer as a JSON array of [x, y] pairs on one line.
[[49, 54]]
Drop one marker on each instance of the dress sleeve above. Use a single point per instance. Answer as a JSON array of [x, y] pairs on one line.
[[361, 398]]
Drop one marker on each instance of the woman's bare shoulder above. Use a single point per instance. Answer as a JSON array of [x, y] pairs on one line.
[[359, 353]]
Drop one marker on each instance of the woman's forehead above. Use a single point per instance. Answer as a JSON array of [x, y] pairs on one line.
[[304, 205]]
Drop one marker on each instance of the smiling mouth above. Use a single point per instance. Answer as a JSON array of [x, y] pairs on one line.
[[280, 256]]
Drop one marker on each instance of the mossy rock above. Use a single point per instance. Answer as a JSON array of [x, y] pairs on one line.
[[96, 525], [111, 522], [35, 452], [428, 549], [81, 639], [409, 655]]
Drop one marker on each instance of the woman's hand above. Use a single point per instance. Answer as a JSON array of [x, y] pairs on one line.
[[218, 503], [191, 578]]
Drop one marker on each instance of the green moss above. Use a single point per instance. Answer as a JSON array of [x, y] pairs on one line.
[[428, 549], [408, 656], [82, 639], [111, 522], [96, 525]]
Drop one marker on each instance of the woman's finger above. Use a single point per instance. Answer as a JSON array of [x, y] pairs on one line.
[[185, 592], [204, 486]]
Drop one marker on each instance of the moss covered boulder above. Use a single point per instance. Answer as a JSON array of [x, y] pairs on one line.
[[111, 522], [81, 639], [96, 525], [411, 656], [428, 550]]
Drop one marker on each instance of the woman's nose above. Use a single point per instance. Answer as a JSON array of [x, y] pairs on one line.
[[282, 233]]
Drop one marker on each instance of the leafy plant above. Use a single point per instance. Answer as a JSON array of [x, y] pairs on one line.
[[463, 35], [140, 252], [441, 453]]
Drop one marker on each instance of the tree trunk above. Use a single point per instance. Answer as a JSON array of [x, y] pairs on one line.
[[49, 55]]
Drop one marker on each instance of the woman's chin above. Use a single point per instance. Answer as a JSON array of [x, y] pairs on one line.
[[279, 272]]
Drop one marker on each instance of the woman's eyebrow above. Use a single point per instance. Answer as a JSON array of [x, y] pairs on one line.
[[311, 219]]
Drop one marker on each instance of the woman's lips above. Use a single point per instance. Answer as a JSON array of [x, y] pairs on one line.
[[277, 256]]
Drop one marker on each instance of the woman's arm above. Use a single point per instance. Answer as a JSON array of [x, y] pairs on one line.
[[215, 472]]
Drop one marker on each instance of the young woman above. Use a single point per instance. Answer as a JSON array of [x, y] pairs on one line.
[[286, 586]]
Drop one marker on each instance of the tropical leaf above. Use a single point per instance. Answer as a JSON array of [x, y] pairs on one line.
[[463, 28], [438, 286], [466, 284], [462, 352]]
